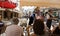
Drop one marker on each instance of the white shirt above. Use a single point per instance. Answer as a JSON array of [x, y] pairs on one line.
[[14, 30], [47, 16]]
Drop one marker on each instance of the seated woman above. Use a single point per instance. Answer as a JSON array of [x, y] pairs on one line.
[[38, 27]]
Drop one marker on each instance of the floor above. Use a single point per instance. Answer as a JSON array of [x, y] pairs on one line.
[[31, 30]]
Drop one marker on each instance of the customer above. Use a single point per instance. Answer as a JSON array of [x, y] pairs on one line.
[[38, 27], [14, 29]]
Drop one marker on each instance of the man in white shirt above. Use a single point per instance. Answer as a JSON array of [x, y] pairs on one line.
[[49, 17]]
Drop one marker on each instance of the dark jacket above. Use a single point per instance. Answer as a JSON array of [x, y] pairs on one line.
[[31, 19]]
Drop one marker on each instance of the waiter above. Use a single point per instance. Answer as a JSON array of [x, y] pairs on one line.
[[49, 17]]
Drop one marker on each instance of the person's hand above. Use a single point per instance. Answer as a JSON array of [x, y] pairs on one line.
[[28, 28]]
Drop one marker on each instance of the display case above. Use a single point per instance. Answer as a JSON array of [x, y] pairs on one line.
[[7, 15]]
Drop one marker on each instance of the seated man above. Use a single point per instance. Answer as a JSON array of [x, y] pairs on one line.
[[14, 29]]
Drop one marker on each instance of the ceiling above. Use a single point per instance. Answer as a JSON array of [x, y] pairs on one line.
[[52, 1], [41, 3]]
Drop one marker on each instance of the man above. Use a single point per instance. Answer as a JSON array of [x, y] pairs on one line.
[[14, 29], [49, 17]]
